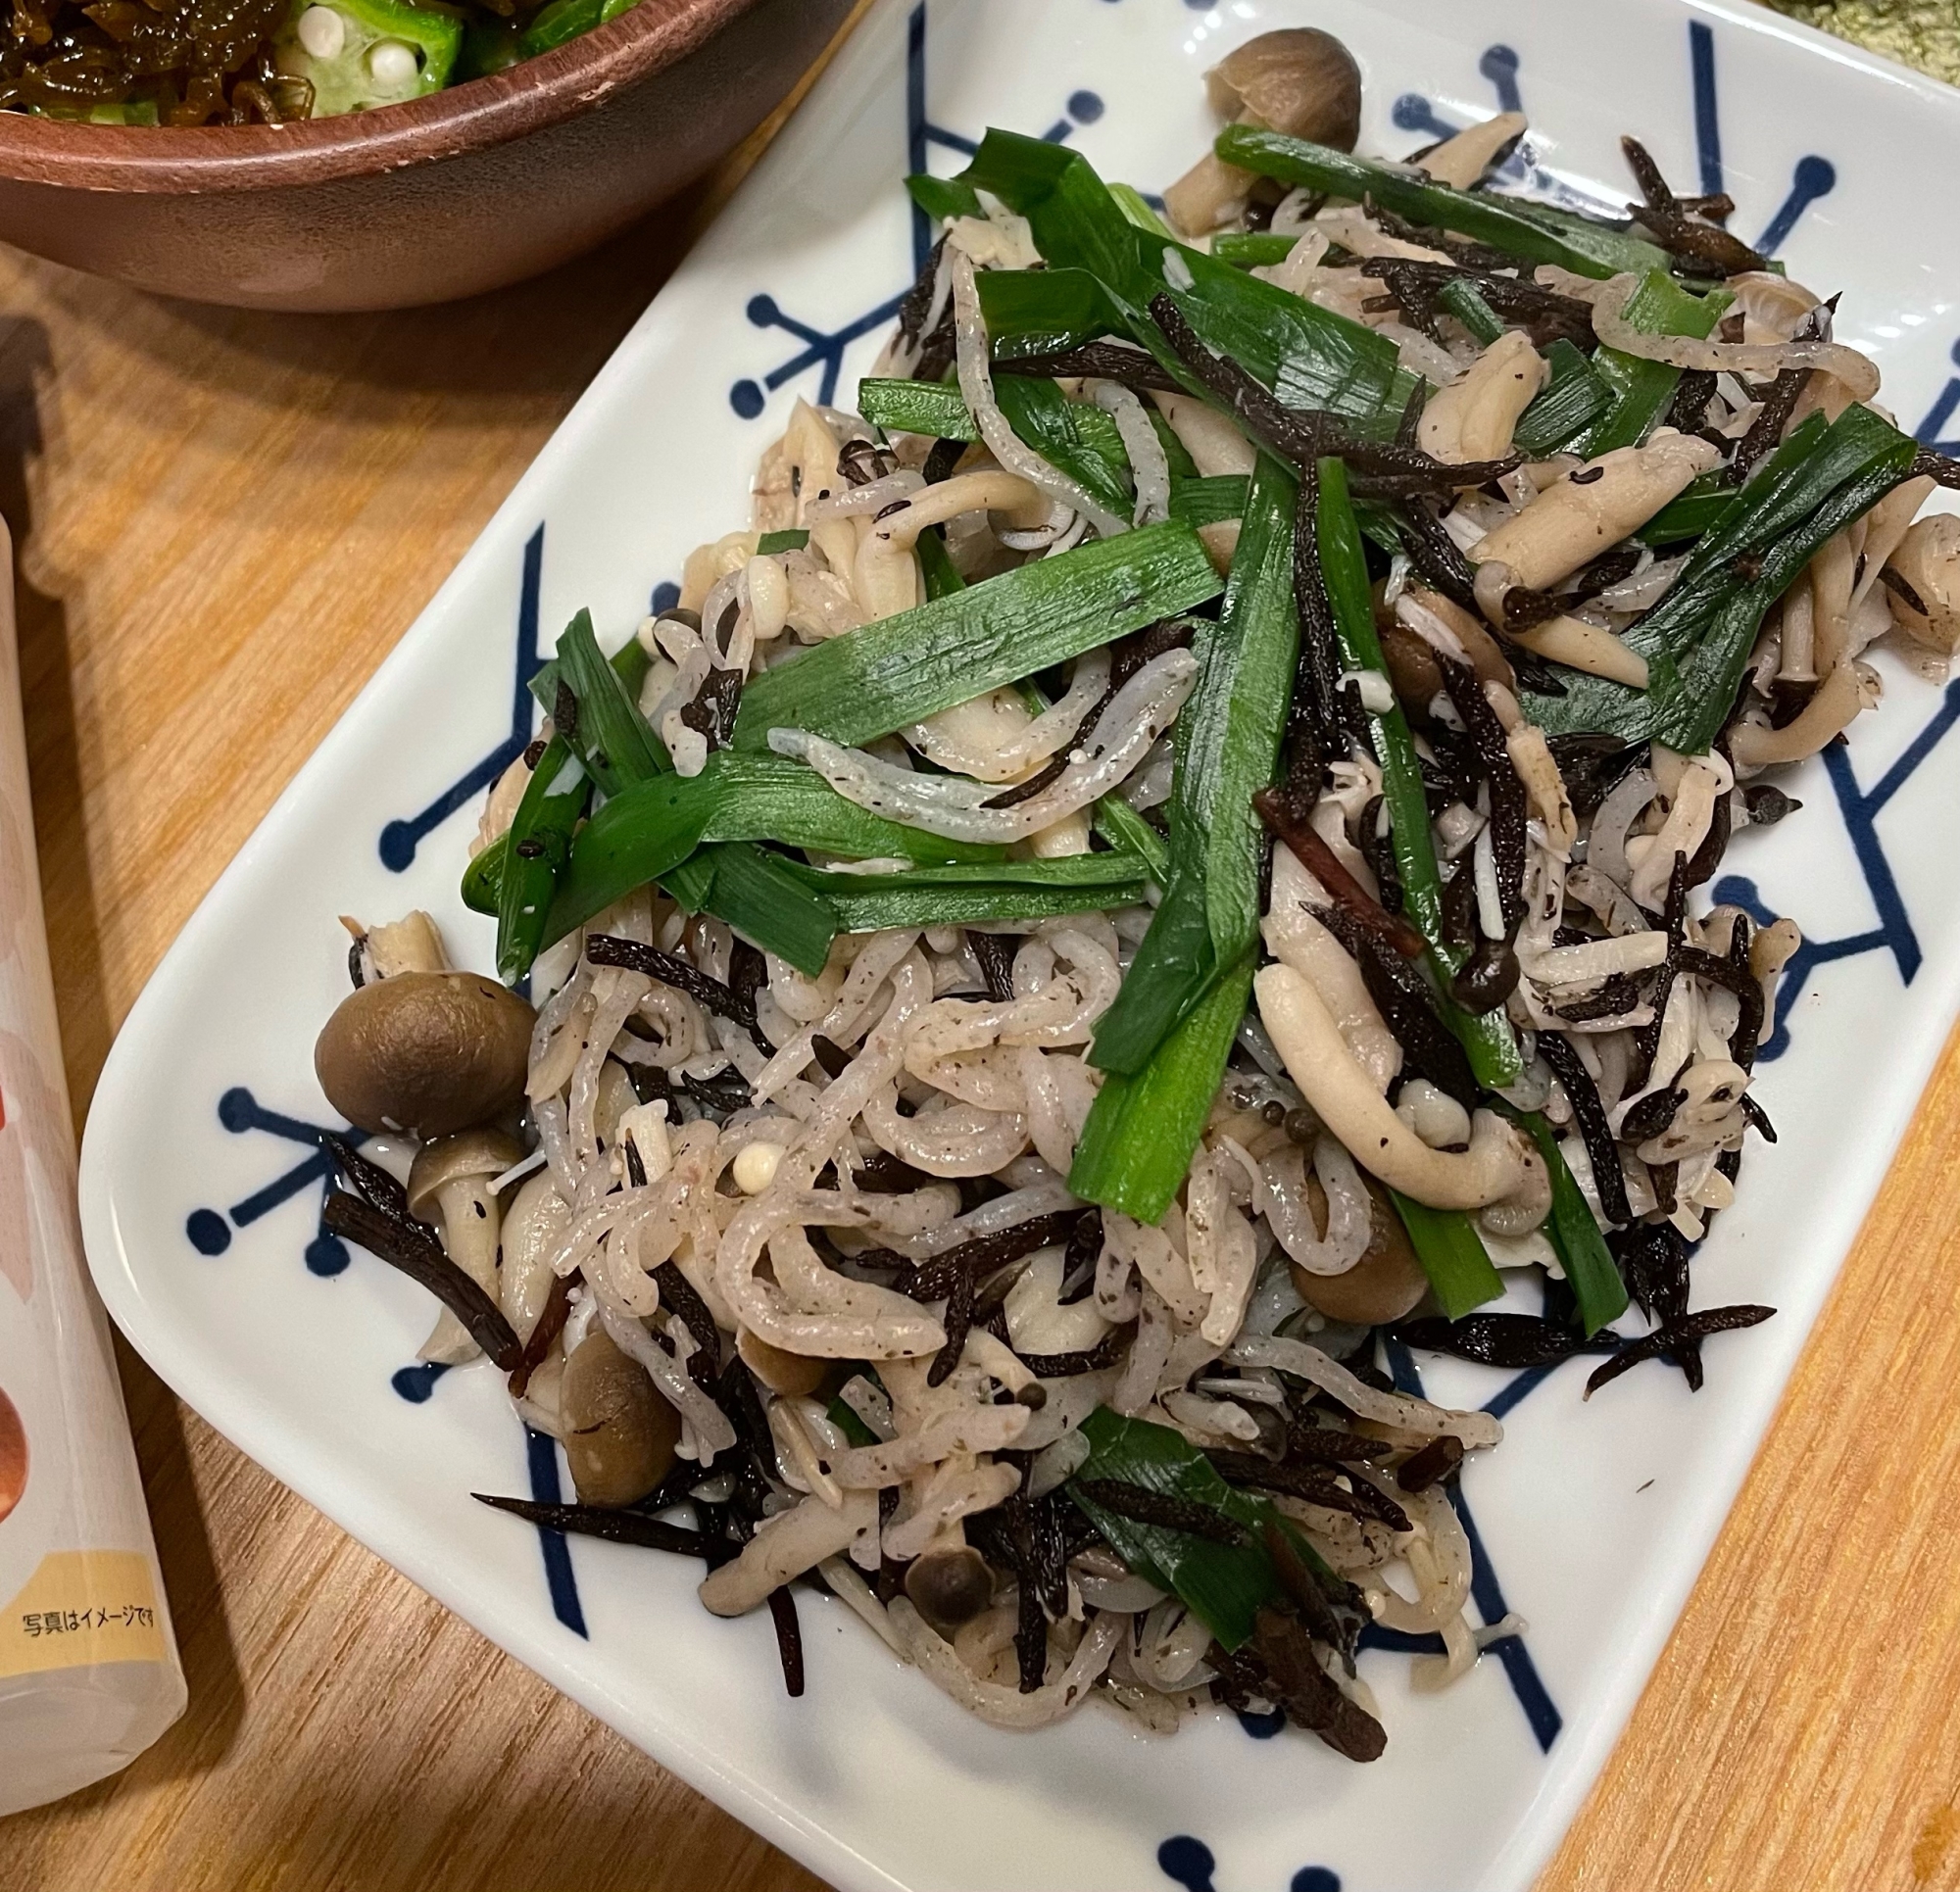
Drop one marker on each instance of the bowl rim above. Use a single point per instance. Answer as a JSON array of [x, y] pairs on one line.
[[531, 96]]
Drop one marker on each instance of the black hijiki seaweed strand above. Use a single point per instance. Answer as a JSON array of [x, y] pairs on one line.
[[1688, 1331], [1590, 1114], [1708, 248], [789, 1639], [1409, 1008]]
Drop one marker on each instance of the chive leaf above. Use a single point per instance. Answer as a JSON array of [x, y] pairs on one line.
[[1311, 357], [1582, 1250], [1143, 1129], [1518, 228], [1459, 296], [535, 848], [649, 829], [934, 409], [1226, 744], [1697, 639], [1126, 831], [612, 737], [944, 198], [1452, 1256], [973, 896], [1574, 394], [1222, 1585], [1209, 502], [869, 682], [1641, 391], [1489, 1040]]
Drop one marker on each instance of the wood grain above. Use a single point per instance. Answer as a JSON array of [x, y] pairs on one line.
[[225, 521]]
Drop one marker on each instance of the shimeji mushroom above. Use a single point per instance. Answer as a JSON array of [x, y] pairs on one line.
[[533, 1227], [449, 1185], [619, 1433], [1576, 518], [1300, 82], [794, 1375], [1342, 1095], [1923, 580], [949, 1583], [425, 1054], [1384, 1284], [411, 944]]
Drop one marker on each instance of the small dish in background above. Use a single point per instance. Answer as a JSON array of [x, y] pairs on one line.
[[444, 196]]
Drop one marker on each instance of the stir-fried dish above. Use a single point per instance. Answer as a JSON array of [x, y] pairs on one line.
[[1161, 859], [264, 62]]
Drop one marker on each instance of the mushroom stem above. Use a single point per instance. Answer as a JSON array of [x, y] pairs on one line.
[[531, 1233], [785, 1547], [418, 1257], [1591, 648], [1462, 159], [1299, 80], [886, 578], [1925, 583], [1472, 419], [1340, 1093], [1572, 522], [471, 1218], [411, 944], [450, 1183]]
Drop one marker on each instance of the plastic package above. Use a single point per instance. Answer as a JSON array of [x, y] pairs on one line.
[[89, 1675]]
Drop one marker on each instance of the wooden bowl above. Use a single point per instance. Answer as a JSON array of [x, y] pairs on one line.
[[446, 196]]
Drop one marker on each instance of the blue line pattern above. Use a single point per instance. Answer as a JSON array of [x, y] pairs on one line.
[[1860, 808], [1707, 111], [542, 1454], [1941, 413], [1488, 1593], [401, 838], [1190, 1863], [1814, 178], [209, 1231], [823, 349]]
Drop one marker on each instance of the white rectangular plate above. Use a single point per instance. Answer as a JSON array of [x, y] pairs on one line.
[[201, 1187]]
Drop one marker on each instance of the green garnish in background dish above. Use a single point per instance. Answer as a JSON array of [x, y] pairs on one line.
[[183, 62], [1916, 32], [563, 19], [359, 54]]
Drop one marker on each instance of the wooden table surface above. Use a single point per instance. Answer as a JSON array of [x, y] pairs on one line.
[[225, 522]]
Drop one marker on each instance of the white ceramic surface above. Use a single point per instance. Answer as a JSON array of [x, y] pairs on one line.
[[203, 1232]]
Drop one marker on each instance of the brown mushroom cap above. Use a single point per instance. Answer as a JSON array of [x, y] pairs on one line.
[[1487, 656], [950, 1586], [13, 1456], [794, 1373], [619, 1433], [425, 1053], [477, 1152], [1299, 80], [1384, 1284], [1412, 668]]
